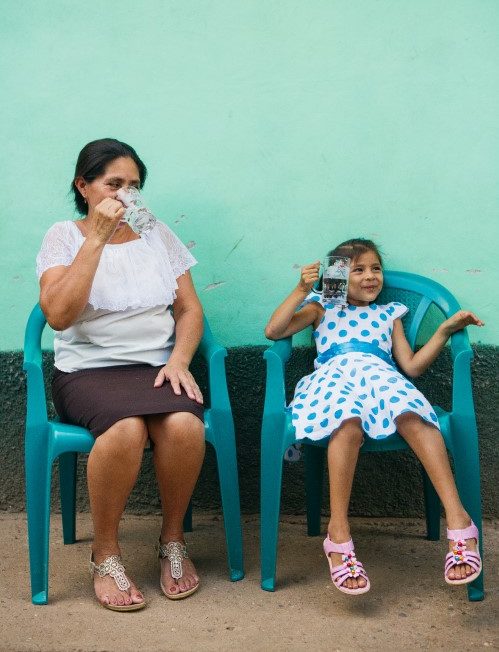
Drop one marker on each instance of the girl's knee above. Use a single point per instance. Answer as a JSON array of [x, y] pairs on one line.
[[409, 422], [351, 431]]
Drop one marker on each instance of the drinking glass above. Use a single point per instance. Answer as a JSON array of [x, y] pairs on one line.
[[335, 279], [137, 215]]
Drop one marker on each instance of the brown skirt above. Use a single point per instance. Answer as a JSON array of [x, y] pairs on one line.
[[98, 398]]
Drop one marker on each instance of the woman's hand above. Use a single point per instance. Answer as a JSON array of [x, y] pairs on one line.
[[179, 376], [309, 276], [460, 320], [104, 218]]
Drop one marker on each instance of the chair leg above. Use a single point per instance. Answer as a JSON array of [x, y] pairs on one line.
[[225, 449], [38, 486], [67, 484], [432, 508], [270, 499], [314, 475], [188, 518], [467, 469]]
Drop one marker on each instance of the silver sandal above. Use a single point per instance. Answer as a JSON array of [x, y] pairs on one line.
[[175, 552], [113, 567]]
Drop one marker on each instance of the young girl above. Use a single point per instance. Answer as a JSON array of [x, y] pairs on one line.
[[356, 392]]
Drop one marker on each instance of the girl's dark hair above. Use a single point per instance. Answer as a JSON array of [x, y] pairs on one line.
[[356, 247], [93, 160], [352, 249]]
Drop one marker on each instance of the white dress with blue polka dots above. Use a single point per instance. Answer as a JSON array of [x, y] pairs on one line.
[[355, 384]]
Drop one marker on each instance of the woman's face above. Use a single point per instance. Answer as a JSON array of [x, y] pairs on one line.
[[120, 173], [366, 279]]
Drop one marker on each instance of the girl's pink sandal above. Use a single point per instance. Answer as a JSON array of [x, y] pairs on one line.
[[460, 555], [349, 568]]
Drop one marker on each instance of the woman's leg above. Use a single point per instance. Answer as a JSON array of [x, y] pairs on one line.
[[112, 469], [179, 447], [428, 444], [342, 454]]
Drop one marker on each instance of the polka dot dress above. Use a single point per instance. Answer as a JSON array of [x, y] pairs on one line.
[[355, 384]]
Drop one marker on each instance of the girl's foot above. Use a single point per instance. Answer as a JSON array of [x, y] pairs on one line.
[[459, 570], [354, 578], [178, 577], [338, 535], [113, 589]]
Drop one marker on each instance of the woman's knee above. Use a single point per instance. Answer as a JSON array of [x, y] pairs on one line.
[[178, 425], [128, 434]]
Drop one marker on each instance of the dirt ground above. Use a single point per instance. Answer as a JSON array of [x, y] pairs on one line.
[[409, 606]]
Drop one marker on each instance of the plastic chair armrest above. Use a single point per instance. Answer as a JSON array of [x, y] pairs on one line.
[[276, 357], [215, 355], [460, 343], [36, 404], [462, 392]]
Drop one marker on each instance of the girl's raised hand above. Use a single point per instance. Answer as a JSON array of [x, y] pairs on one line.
[[460, 320], [309, 275]]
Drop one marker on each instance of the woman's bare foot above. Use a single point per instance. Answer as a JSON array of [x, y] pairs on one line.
[[183, 586], [342, 535], [106, 588]]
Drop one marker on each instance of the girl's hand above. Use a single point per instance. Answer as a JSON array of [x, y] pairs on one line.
[[309, 276], [179, 376], [104, 219], [460, 320]]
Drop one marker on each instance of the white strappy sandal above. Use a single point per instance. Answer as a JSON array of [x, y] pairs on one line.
[[175, 552], [113, 567]]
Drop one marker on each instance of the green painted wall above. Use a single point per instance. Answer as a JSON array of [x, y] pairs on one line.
[[272, 130]]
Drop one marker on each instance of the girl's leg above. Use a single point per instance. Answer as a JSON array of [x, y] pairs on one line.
[[428, 444], [112, 469], [179, 447], [342, 454]]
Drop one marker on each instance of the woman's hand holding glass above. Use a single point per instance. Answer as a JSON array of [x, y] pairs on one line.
[[309, 276], [179, 376], [105, 217]]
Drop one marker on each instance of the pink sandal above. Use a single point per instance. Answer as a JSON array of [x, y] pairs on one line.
[[460, 555], [349, 568]]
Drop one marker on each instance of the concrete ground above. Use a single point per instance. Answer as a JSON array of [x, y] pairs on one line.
[[409, 606]]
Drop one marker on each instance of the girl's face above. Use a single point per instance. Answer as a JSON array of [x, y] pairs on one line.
[[122, 172], [366, 279]]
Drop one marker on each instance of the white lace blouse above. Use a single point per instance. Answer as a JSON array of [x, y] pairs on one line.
[[128, 317]]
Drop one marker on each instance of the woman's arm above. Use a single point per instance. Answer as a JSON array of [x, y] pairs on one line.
[[285, 321], [414, 364], [64, 291], [188, 316]]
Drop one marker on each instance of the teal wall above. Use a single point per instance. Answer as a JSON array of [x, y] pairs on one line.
[[272, 130]]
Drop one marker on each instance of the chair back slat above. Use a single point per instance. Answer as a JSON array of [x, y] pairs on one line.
[[417, 319]]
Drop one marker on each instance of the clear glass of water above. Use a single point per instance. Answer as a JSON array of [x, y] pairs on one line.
[[335, 279], [137, 215]]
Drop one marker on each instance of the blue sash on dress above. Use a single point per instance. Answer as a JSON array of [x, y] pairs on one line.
[[355, 347]]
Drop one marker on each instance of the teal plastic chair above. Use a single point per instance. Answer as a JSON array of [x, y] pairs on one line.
[[47, 440], [422, 296]]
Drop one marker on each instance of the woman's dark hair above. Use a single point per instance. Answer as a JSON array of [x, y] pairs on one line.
[[352, 249], [92, 162]]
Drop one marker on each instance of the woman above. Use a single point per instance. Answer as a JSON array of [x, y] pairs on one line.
[[127, 322]]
